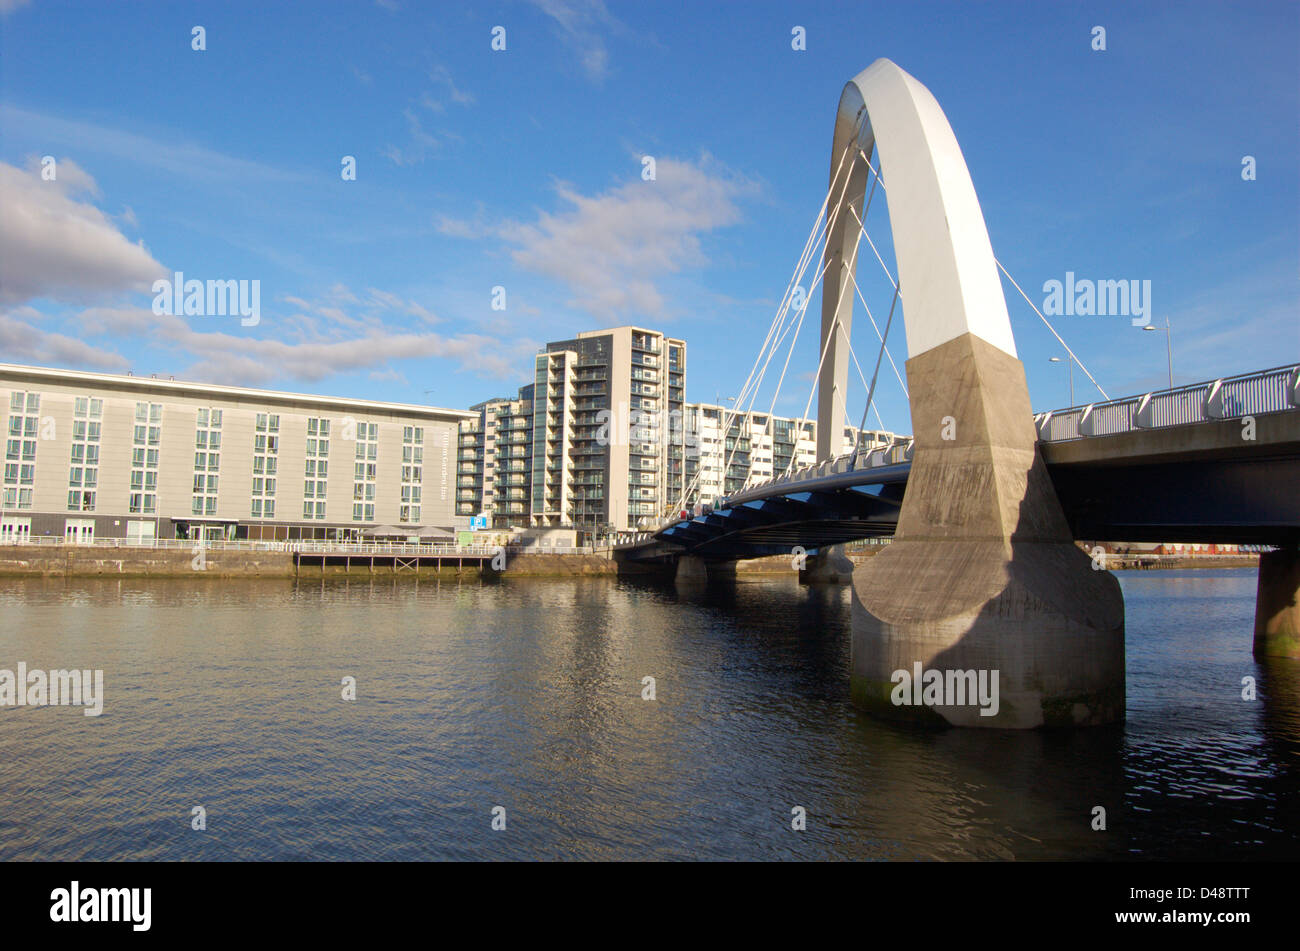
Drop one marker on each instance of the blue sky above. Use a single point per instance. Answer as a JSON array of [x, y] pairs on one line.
[[522, 168]]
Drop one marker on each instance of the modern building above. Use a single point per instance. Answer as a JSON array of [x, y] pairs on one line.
[[93, 455], [754, 448], [617, 418], [604, 440], [494, 468], [596, 442]]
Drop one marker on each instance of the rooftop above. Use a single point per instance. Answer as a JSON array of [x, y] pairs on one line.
[[152, 384]]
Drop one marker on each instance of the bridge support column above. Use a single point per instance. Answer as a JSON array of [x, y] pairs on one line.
[[828, 566], [692, 569], [983, 597], [1277, 604]]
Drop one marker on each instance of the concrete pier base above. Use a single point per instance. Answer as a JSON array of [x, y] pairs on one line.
[[983, 579], [692, 569], [828, 566], [1277, 604]]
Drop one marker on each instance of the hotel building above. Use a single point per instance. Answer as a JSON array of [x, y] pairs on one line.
[[91, 455]]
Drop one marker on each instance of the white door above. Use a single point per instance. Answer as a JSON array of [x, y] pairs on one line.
[[79, 531], [15, 530], [139, 533]]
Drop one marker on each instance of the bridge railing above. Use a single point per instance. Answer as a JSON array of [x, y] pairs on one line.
[[896, 453], [254, 545], [1249, 394]]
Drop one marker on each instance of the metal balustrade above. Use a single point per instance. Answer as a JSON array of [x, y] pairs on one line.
[[1249, 394], [299, 547]]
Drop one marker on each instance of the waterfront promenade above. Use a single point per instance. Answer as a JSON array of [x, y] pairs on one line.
[[53, 557]]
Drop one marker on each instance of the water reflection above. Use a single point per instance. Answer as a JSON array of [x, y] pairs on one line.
[[528, 695]]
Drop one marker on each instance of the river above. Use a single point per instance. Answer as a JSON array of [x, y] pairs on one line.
[[528, 695]]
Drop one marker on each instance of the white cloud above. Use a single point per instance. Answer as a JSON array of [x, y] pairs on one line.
[[54, 245], [441, 76], [338, 332], [462, 228], [185, 160], [26, 343], [421, 144], [582, 25], [610, 250]]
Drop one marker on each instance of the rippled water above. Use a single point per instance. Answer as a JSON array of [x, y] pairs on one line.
[[527, 695]]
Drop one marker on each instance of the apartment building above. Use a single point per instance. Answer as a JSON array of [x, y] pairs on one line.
[[603, 439], [625, 432], [754, 447], [596, 442], [93, 455], [494, 469]]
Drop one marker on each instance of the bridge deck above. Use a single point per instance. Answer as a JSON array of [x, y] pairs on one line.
[[1212, 462]]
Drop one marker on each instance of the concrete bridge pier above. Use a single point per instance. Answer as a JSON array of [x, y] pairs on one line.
[[1277, 604], [692, 569], [983, 585], [829, 566]]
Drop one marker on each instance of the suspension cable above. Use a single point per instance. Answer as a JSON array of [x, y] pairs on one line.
[[871, 392], [1047, 322]]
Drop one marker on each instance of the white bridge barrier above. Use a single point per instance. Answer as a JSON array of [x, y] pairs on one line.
[[1250, 394]]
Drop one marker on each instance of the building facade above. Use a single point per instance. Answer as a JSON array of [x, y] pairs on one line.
[[91, 455], [494, 469], [603, 440], [596, 442], [754, 447]]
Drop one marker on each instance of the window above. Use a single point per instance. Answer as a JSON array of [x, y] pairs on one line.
[[315, 467], [143, 499], [24, 422], [412, 452], [364, 472], [265, 448], [207, 436]]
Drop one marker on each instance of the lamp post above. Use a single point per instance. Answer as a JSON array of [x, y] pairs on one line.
[[1069, 362], [1169, 346]]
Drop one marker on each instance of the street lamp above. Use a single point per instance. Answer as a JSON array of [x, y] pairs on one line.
[[1070, 365], [1169, 347]]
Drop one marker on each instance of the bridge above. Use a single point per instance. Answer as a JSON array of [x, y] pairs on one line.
[[1199, 463], [985, 502]]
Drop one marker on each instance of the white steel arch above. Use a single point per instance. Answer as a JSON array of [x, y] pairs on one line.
[[946, 271]]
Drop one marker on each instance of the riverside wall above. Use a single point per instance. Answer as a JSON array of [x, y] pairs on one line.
[[91, 561]]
